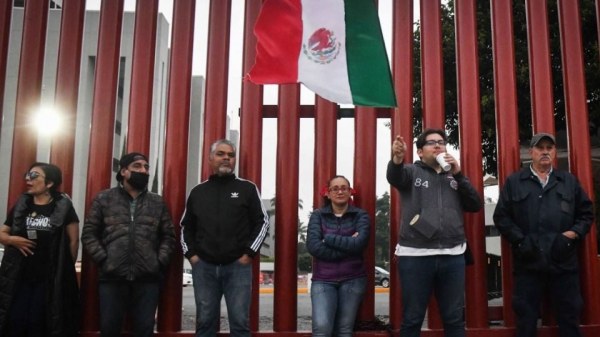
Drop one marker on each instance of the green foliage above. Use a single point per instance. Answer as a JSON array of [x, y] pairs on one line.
[[382, 230], [486, 71]]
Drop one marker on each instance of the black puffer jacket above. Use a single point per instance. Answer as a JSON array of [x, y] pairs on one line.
[[125, 245], [63, 306]]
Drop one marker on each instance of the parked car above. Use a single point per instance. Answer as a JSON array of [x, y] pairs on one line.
[[187, 277], [382, 277]]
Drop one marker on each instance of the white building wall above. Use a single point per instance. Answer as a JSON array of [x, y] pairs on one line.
[[85, 99]]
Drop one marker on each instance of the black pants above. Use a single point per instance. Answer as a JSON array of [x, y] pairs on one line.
[[565, 295], [27, 314]]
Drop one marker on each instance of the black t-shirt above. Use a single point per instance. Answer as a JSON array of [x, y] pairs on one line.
[[35, 266]]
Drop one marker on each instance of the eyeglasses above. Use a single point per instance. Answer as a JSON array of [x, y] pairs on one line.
[[33, 175], [440, 142], [338, 189]]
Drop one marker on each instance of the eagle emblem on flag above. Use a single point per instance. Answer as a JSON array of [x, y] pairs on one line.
[[322, 46]]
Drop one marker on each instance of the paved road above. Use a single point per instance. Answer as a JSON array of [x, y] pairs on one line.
[[266, 310]]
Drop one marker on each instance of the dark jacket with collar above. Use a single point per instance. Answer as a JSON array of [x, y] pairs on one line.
[[129, 245], [224, 219], [432, 205], [532, 219], [63, 306], [337, 255]]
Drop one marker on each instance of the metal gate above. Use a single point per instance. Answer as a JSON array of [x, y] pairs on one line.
[[288, 112]]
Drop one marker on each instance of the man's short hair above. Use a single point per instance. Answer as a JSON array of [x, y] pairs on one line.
[[423, 136], [214, 145]]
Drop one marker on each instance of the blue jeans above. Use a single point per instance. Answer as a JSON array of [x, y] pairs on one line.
[[211, 283], [442, 275], [565, 294], [334, 306], [139, 298]]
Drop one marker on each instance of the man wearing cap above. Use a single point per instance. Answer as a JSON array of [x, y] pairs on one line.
[[223, 227], [128, 233], [544, 214]]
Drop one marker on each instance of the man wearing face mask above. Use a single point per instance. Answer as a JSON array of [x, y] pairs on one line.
[[129, 234], [223, 227]]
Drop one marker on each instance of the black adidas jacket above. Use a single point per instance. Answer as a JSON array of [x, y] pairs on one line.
[[224, 219]]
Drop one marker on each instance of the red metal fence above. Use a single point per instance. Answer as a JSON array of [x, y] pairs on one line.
[[288, 113]]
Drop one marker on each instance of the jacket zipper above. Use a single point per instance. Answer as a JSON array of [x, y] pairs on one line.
[[132, 207]]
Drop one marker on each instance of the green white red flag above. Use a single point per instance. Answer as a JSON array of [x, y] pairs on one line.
[[334, 47]]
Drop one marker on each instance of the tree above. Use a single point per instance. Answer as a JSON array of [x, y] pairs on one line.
[[382, 230], [591, 62]]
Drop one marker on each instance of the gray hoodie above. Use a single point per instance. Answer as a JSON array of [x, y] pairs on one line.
[[432, 205]]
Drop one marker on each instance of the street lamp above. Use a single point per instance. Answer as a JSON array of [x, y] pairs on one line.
[[47, 121]]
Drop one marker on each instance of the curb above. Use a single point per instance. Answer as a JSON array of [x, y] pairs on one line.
[[304, 290]]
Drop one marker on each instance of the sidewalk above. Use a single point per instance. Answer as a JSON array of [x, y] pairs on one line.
[[304, 290]]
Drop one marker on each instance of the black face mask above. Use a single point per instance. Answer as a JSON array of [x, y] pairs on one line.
[[138, 180]]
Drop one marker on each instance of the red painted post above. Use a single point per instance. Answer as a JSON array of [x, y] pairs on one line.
[[365, 151], [251, 131], [5, 19], [325, 165], [432, 66], [29, 87], [507, 124], [217, 69], [402, 121], [469, 114], [286, 218], [579, 144], [540, 67], [67, 87], [174, 189], [432, 88], [142, 77], [101, 140]]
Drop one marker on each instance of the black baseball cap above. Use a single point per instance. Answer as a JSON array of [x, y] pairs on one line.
[[539, 136], [128, 159]]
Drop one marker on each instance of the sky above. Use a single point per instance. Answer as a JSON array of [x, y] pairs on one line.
[[345, 126]]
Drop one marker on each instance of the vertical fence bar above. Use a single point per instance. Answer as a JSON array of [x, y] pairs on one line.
[[432, 63], [286, 217], [325, 146], [217, 63], [5, 20], [142, 77], [507, 124], [67, 87], [540, 67], [176, 150], [469, 114], [101, 140], [579, 143], [29, 88], [402, 121], [251, 131], [365, 150], [432, 88], [540, 82]]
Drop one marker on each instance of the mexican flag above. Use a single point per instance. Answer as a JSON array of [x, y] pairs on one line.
[[334, 47]]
